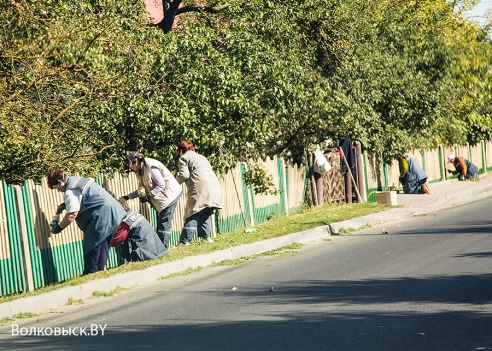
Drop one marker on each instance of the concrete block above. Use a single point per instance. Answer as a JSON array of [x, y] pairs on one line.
[[387, 198]]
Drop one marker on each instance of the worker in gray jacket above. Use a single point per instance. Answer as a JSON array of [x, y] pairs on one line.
[[204, 195], [104, 222], [94, 210]]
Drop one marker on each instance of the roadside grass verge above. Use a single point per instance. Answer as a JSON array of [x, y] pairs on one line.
[[305, 218], [283, 251], [22, 315], [115, 291]]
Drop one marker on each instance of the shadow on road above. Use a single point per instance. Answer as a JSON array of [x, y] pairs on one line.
[[351, 323]]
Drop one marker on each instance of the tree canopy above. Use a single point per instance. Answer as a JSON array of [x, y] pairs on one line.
[[83, 82]]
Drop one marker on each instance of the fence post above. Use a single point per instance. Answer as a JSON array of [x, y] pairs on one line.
[[360, 172], [365, 175], [484, 158], [385, 184], [318, 179], [284, 190], [249, 196], [312, 181], [24, 240], [442, 165]]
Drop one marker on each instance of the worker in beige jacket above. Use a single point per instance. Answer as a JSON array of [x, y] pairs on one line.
[[157, 186], [204, 195]]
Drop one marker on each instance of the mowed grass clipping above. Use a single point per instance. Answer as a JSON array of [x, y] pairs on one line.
[[305, 218]]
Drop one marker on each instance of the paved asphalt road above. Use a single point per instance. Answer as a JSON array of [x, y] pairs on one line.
[[421, 283]]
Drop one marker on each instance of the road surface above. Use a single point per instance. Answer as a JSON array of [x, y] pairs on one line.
[[423, 283]]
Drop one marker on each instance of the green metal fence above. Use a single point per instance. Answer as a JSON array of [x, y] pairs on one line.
[[12, 266]]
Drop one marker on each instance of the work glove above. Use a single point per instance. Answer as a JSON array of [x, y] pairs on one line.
[[144, 199], [61, 207], [56, 229], [126, 197]]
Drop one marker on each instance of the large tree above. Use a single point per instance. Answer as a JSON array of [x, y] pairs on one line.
[[81, 83]]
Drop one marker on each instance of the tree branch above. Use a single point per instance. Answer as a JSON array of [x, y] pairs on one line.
[[172, 9], [208, 9], [73, 155]]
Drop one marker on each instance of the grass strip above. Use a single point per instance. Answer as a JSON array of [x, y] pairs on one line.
[[305, 218]]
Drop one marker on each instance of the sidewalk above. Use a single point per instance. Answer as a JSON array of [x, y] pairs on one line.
[[444, 195], [448, 193]]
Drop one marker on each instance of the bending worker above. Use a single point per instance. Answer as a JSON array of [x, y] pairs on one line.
[[96, 212], [161, 189], [463, 168], [412, 176]]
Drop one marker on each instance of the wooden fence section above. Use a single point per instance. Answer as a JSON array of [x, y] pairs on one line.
[[296, 180], [487, 152], [267, 206], [332, 181], [235, 212]]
